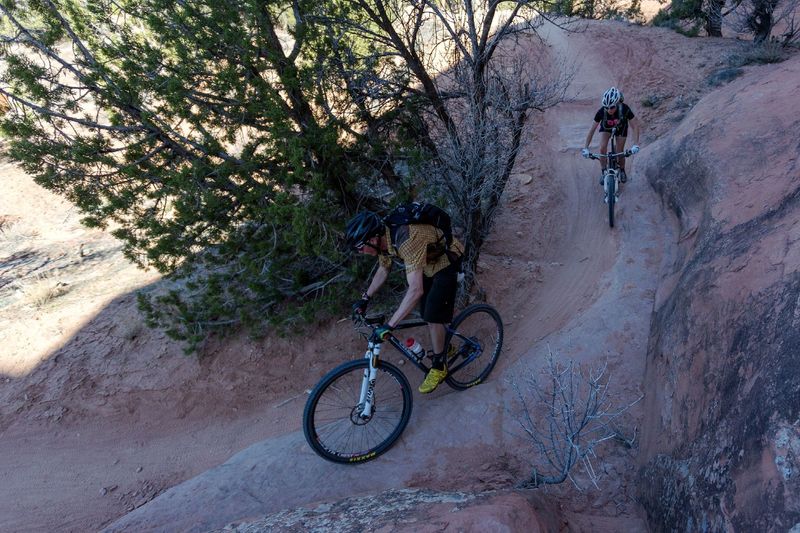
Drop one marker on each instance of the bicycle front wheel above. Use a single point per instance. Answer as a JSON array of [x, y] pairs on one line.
[[333, 420], [612, 198], [476, 338]]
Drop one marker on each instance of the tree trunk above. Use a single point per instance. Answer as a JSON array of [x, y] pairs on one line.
[[714, 18], [760, 20], [473, 240]]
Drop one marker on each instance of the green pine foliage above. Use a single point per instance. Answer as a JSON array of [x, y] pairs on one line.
[[684, 16], [226, 143], [196, 133], [598, 9]]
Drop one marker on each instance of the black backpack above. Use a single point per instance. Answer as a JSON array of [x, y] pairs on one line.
[[420, 213]]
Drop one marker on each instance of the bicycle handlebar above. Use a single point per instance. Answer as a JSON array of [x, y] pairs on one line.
[[626, 153]]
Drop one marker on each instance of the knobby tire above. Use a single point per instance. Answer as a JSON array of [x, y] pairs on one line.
[[477, 340], [612, 197], [328, 419]]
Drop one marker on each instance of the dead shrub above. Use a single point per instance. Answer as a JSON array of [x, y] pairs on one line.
[[566, 415], [652, 100], [129, 330], [770, 51], [42, 290], [723, 76]]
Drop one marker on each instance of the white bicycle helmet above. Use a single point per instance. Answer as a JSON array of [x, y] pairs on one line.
[[611, 97]]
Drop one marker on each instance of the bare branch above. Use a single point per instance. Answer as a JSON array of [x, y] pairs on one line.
[[54, 114], [454, 35], [567, 422]]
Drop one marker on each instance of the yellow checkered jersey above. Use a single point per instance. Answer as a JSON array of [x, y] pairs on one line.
[[419, 246]]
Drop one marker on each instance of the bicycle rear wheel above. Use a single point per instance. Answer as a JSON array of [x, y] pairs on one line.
[[331, 421], [476, 339], [611, 183]]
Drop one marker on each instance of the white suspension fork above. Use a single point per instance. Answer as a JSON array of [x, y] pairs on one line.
[[611, 175], [368, 382]]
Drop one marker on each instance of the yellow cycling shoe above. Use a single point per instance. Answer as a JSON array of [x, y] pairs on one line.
[[432, 380]]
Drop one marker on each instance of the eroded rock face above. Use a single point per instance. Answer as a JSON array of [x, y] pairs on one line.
[[722, 449], [410, 510]]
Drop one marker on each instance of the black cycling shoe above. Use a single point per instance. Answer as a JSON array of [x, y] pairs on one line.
[[622, 176], [602, 179]]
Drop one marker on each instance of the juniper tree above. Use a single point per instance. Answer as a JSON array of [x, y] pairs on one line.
[[702, 14], [225, 143], [189, 129], [467, 90], [761, 18], [598, 9]]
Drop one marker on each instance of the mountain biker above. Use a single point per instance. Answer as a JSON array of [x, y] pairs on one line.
[[614, 112], [431, 271]]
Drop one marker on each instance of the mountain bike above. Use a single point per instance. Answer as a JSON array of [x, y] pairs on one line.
[[611, 175], [360, 408]]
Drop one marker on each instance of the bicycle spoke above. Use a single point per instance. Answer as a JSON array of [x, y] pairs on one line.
[[335, 427], [477, 339]]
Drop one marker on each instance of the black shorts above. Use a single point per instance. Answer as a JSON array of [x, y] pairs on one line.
[[439, 296]]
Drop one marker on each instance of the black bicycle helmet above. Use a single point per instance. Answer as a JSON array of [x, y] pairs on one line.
[[362, 228]]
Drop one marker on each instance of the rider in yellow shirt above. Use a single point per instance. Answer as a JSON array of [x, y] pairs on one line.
[[431, 271]]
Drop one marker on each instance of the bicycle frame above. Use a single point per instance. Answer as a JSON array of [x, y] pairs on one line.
[[612, 159], [613, 162], [611, 174], [374, 350]]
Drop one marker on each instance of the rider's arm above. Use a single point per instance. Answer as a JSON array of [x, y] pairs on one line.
[[591, 134], [412, 296], [377, 280]]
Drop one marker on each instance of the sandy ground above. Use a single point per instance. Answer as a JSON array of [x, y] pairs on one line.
[[98, 415]]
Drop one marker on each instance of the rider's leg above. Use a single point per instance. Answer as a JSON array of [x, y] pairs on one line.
[[428, 311], [438, 371], [621, 148], [439, 301], [439, 304], [623, 177], [604, 137], [437, 333]]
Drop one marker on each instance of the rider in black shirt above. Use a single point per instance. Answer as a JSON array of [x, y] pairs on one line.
[[613, 113]]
